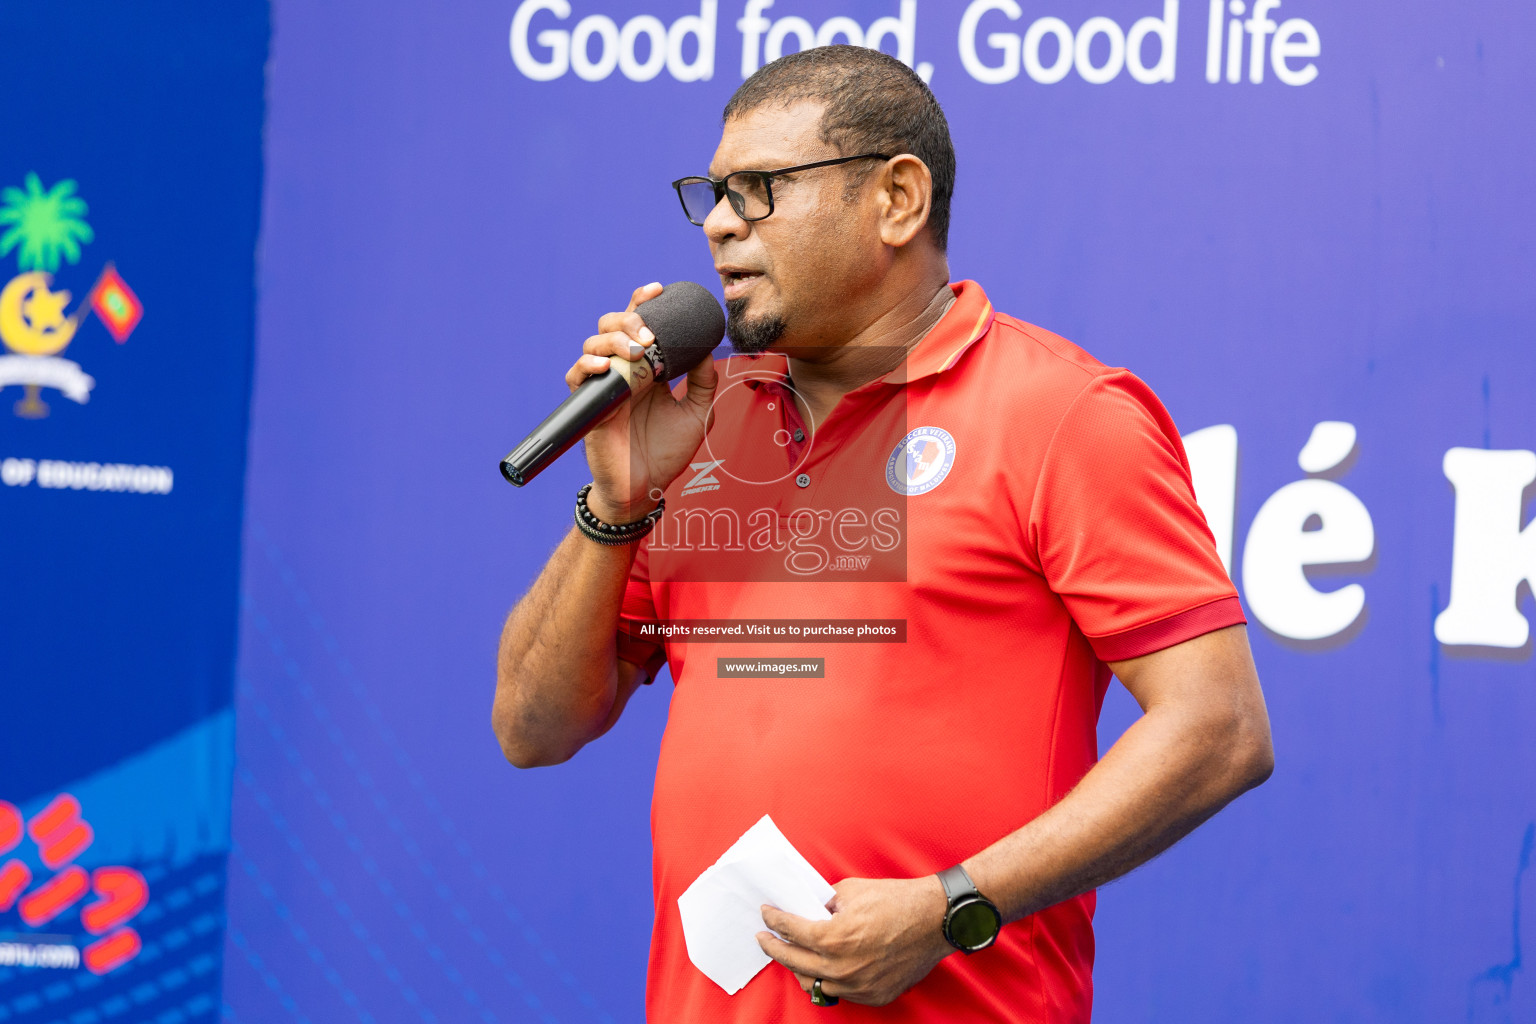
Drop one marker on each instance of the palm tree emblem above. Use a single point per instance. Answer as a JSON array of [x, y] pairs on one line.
[[44, 224], [44, 227]]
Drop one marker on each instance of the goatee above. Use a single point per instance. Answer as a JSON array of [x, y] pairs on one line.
[[749, 337]]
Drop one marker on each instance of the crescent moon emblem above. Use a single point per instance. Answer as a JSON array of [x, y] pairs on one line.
[[32, 320]]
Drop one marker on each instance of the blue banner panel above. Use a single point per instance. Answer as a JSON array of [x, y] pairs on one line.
[[1306, 224], [130, 182]]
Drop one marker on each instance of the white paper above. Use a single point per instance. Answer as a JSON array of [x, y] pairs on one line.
[[722, 909]]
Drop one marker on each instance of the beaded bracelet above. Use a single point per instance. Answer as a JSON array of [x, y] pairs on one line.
[[609, 534]]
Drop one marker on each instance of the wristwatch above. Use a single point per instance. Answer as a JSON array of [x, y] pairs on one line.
[[971, 922]]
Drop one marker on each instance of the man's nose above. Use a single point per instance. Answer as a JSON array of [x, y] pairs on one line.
[[724, 222]]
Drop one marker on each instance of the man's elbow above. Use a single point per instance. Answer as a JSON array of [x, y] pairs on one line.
[[521, 753], [1252, 752], [519, 744]]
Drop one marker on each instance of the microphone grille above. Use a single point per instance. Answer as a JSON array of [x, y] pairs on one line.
[[688, 323]]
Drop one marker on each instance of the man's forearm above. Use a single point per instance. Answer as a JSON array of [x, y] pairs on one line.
[[1133, 805], [1188, 756], [558, 683]]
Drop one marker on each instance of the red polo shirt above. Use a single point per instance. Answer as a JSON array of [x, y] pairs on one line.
[[1027, 513]]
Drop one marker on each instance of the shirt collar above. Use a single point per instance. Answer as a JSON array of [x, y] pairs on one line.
[[962, 325]]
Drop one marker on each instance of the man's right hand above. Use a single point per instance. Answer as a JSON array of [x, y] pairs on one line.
[[645, 443]]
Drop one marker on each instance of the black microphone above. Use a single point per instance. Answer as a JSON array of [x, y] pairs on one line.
[[688, 324]]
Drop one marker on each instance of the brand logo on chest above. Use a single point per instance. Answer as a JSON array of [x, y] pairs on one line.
[[704, 478], [920, 461]]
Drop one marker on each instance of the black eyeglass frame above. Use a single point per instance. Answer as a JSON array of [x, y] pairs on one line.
[[722, 192]]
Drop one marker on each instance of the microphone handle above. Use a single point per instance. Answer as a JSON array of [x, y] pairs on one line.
[[595, 398]]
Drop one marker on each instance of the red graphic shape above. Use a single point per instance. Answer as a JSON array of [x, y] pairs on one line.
[[113, 951], [10, 827], [114, 302], [123, 893], [14, 877], [61, 811], [59, 832], [63, 848], [54, 896]]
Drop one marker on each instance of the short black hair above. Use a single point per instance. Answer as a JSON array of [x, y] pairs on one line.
[[873, 103]]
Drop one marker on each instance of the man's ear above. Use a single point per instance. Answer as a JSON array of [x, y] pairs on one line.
[[905, 198]]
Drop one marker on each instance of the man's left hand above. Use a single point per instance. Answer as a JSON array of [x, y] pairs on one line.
[[884, 937]]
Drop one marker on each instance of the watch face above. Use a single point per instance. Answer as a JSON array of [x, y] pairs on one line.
[[974, 925]]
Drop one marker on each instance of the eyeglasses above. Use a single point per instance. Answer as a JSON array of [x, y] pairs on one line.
[[750, 192]]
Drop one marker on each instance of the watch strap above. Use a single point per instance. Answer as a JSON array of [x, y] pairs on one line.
[[957, 883]]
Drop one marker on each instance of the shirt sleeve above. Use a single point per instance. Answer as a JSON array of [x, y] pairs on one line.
[[638, 611], [1118, 533]]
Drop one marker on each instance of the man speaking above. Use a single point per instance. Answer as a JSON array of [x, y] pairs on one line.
[[1022, 511]]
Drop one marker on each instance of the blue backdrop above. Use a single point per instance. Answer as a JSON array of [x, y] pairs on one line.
[[1307, 225]]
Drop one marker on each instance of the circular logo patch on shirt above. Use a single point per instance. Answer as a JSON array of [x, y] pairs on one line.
[[921, 461]]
